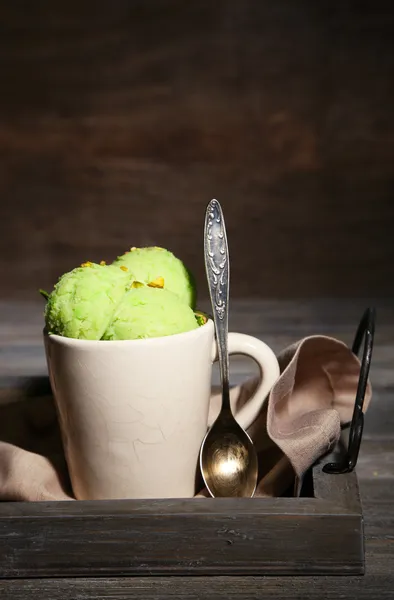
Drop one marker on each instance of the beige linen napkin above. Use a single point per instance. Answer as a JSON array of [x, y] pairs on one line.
[[299, 422]]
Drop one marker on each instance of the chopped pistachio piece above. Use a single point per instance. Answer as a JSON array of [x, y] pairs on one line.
[[201, 318], [157, 283]]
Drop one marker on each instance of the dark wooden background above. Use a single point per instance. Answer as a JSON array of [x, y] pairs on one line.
[[120, 120]]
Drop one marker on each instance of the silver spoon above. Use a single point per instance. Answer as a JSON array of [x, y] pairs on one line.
[[228, 459]]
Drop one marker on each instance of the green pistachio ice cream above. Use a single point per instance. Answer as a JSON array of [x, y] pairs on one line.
[[145, 293], [147, 312], [149, 264], [84, 300]]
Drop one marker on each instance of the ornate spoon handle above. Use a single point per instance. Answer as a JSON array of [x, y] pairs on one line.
[[218, 275]]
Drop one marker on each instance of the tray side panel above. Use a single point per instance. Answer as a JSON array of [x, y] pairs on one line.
[[183, 543], [340, 489]]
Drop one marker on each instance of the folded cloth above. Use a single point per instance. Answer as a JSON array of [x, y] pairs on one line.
[[298, 423]]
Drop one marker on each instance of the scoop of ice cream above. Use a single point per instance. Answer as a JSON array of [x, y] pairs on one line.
[[84, 300], [147, 312], [149, 264]]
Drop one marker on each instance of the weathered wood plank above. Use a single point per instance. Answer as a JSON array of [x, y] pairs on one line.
[[116, 128], [16, 512], [195, 542], [378, 582], [196, 537], [209, 588]]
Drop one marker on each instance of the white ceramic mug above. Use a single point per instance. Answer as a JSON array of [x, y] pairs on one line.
[[133, 413]]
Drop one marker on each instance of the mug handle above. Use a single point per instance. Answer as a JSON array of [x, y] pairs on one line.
[[240, 343]]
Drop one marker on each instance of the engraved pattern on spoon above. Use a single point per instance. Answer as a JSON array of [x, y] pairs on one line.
[[218, 267]]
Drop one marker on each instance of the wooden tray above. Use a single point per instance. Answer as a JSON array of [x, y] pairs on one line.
[[320, 534]]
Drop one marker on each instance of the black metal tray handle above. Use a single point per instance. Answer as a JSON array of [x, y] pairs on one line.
[[366, 332]]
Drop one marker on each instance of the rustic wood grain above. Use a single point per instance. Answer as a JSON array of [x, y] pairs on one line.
[[215, 588], [118, 126], [195, 536], [340, 490], [378, 582]]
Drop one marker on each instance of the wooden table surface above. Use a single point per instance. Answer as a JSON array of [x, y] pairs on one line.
[[278, 323]]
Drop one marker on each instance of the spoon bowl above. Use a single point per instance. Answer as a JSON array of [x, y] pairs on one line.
[[228, 458], [229, 461]]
